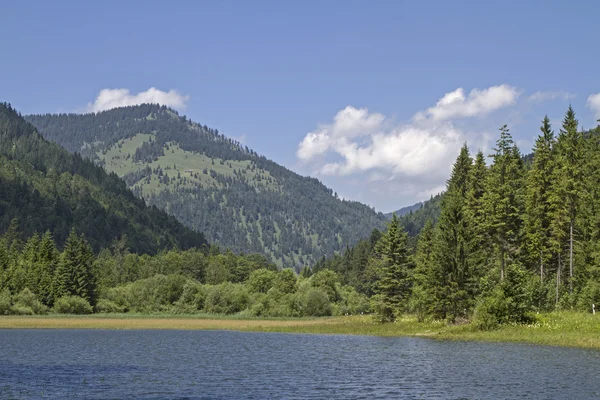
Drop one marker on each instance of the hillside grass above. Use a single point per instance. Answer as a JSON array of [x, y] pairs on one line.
[[556, 329], [119, 159]]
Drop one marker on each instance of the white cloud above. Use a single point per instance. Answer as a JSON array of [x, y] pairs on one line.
[[541, 96], [398, 160], [409, 161], [112, 98], [478, 102], [407, 151], [593, 102]]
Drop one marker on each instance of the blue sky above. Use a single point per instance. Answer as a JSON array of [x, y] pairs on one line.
[[276, 75]]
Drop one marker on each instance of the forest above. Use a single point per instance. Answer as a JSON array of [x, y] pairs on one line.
[[46, 188], [213, 184], [512, 235], [517, 236], [37, 278]]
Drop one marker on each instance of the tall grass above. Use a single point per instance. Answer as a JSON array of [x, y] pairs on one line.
[[557, 329]]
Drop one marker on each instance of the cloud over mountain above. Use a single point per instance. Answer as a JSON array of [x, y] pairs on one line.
[[113, 98], [413, 158]]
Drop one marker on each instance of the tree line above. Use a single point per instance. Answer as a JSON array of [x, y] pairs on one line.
[[36, 278], [515, 236], [292, 219]]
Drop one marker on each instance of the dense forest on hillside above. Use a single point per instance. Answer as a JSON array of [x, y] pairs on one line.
[[513, 237], [215, 185], [46, 188]]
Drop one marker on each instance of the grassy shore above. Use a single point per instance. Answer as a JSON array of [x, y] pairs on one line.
[[557, 329]]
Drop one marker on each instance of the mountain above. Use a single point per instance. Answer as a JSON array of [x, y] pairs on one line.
[[415, 220], [47, 188], [404, 210], [213, 184]]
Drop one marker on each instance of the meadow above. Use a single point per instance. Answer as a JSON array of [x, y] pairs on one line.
[[567, 329]]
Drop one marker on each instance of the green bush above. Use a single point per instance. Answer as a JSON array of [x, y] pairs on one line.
[[227, 298], [543, 296], [352, 302], [169, 289], [192, 298], [328, 281], [5, 302], [285, 281], [22, 310], [419, 303], [120, 296], [158, 293], [106, 306], [28, 300], [491, 311], [589, 295], [72, 305], [508, 302], [261, 280], [316, 303], [382, 311]]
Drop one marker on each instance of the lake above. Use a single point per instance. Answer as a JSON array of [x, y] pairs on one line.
[[103, 364]]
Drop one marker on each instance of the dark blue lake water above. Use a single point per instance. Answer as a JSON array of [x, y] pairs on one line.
[[96, 364]]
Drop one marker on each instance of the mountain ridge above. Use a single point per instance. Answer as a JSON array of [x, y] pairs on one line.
[[47, 188], [214, 184]]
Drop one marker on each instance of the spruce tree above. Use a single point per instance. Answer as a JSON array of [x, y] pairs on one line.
[[64, 277], [452, 243], [475, 212], [503, 198], [538, 198], [569, 178], [48, 260], [29, 262], [423, 298], [393, 286], [74, 274]]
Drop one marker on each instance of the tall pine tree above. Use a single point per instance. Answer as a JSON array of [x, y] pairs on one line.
[[568, 179], [393, 286], [538, 198], [452, 244], [503, 198]]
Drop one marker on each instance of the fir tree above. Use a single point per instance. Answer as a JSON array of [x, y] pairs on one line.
[[393, 287], [475, 212], [47, 259], [503, 198], [538, 198], [568, 179], [452, 243]]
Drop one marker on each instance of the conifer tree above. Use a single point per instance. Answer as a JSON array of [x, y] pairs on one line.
[[48, 260], [452, 243], [423, 294], [393, 286], [538, 198], [3, 265], [568, 179], [29, 262], [475, 212], [74, 275], [503, 198]]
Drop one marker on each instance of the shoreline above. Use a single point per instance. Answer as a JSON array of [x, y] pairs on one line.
[[566, 329]]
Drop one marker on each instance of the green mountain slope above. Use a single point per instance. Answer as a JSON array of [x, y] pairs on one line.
[[47, 188], [413, 218], [214, 184]]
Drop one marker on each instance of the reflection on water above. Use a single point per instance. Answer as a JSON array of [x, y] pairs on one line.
[[217, 364]]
